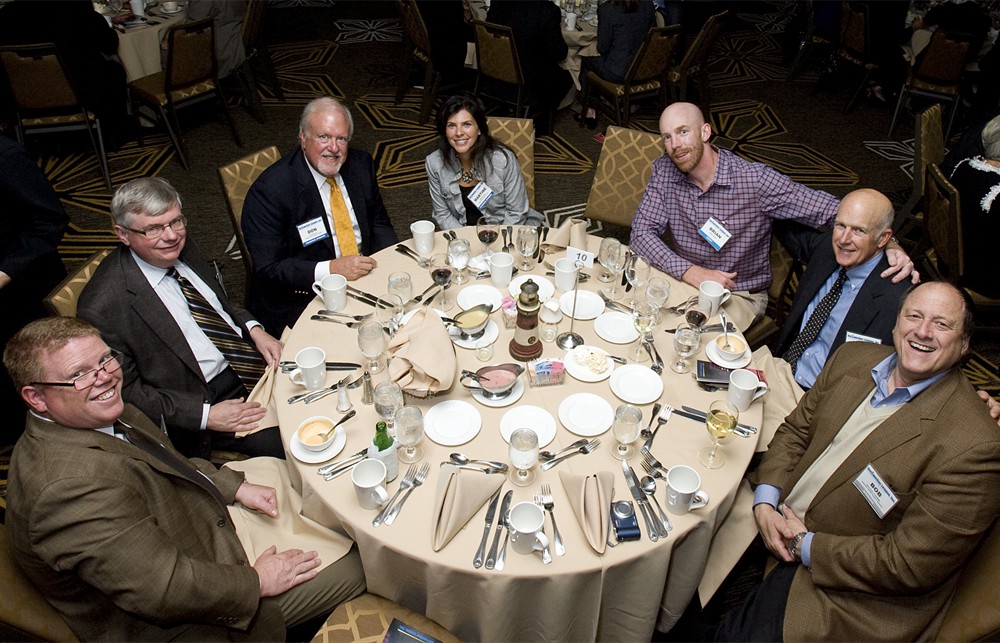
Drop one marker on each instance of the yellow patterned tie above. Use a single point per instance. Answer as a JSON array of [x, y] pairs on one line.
[[342, 225]]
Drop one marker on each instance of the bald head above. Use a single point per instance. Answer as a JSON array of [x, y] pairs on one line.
[[685, 133], [862, 227]]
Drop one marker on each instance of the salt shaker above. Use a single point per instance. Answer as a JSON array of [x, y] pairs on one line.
[[367, 390], [343, 398]]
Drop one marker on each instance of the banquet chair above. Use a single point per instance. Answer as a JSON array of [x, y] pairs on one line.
[[417, 47], [191, 76], [854, 48], [519, 135], [236, 179], [256, 47], [694, 65], [62, 300], [646, 76], [497, 60], [366, 619], [24, 613], [937, 73], [622, 171], [974, 612], [928, 147], [44, 99]]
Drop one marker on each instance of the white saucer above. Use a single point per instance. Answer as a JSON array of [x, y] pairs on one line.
[[581, 372], [479, 294], [588, 306], [515, 394], [302, 454], [586, 414], [545, 287], [616, 327], [136, 21], [636, 384], [713, 353], [490, 334], [452, 422], [177, 10], [531, 417]]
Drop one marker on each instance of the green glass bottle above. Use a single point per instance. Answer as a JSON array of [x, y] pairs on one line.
[[382, 438]]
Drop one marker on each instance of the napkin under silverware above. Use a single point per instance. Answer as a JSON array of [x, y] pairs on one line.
[[590, 496], [460, 495]]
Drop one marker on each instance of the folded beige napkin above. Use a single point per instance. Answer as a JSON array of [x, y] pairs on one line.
[[460, 494], [421, 355], [590, 496], [262, 393], [572, 232]]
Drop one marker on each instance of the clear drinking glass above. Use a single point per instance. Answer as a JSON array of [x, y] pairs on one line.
[[628, 419], [388, 399], [488, 230], [401, 284], [441, 274], [409, 433], [371, 341], [644, 320], [523, 456], [615, 263], [686, 340], [657, 294], [720, 422], [527, 246], [389, 312], [609, 247], [637, 273], [459, 253]]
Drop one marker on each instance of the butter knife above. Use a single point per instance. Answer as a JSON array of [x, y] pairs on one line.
[[503, 521], [336, 465], [703, 416], [491, 559], [287, 366], [700, 417], [640, 500], [711, 328], [477, 562]]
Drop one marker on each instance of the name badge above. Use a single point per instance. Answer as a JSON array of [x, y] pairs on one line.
[[715, 233], [480, 195], [587, 258], [876, 491], [312, 231], [858, 337]]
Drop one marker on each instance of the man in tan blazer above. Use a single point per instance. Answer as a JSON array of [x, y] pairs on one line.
[[877, 487], [128, 539]]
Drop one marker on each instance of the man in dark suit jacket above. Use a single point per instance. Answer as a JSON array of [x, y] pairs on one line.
[[287, 221], [130, 541], [173, 371]]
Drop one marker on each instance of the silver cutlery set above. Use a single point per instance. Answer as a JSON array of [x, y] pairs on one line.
[[412, 479]]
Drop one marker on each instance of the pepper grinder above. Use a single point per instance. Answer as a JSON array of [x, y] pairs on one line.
[[525, 345]]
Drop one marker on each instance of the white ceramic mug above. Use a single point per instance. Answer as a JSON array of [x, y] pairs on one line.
[[526, 535], [170, 7], [137, 7], [565, 270], [570, 21], [744, 388], [501, 268], [311, 368], [711, 296], [369, 483], [423, 237], [332, 289], [684, 491]]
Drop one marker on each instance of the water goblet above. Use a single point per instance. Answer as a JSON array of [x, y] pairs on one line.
[[388, 398], [609, 247], [389, 312], [615, 263], [371, 341], [686, 340], [527, 246], [720, 421], [523, 456], [441, 274], [488, 230], [657, 294], [637, 274], [628, 419], [401, 284], [644, 320], [458, 256], [409, 433]]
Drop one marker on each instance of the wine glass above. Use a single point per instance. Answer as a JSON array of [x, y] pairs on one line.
[[409, 433], [657, 294], [637, 273], [686, 340], [614, 261], [644, 320], [609, 247], [401, 284], [720, 422], [371, 341], [527, 246], [488, 231], [523, 456], [628, 418], [441, 274], [389, 312], [458, 256], [388, 398], [696, 318]]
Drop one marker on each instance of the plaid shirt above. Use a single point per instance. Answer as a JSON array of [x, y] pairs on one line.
[[745, 198]]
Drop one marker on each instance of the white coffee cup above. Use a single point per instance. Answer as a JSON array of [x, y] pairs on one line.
[[423, 237], [137, 7], [170, 7], [369, 483], [711, 296], [501, 268], [744, 388], [526, 535], [684, 491], [311, 368], [565, 270], [332, 289], [570, 21]]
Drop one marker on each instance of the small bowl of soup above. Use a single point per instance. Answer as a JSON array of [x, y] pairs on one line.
[[737, 346], [314, 433]]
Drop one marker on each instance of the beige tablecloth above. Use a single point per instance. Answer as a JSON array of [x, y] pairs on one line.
[[139, 47], [620, 595]]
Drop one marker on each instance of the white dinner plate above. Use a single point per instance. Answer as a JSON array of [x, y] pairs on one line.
[[616, 327], [582, 372], [479, 294], [515, 394], [636, 384], [301, 453], [529, 417], [588, 306], [586, 414], [408, 316], [545, 287], [713, 353], [452, 422], [490, 334]]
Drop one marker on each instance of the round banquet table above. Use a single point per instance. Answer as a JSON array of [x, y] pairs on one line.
[[620, 595], [139, 46]]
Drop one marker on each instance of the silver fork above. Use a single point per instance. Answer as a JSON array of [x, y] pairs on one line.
[[653, 471], [549, 504], [359, 318], [419, 480], [657, 366], [350, 324], [546, 554], [650, 459], [661, 419], [404, 484], [587, 448], [681, 307]]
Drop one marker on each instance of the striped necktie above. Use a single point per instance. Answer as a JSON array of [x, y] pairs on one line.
[[816, 321], [342, 225], [240, 354]]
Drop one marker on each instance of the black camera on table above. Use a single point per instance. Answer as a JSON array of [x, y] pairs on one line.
[[624, 522]]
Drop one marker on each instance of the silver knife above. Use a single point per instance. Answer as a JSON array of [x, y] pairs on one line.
[[413, 304], [325, 469], [745, 427], [477, 562], [640, 499], [700, 417], [711, 328], [491, 559], [330, 366]]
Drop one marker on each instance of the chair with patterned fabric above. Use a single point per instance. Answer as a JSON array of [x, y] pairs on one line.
[[416, 47], [236, 179], [623, 169], [497, 60], [62, 300], [367, 618], [928, 147], [974, 611], [694, 64], [519, 135], [191, 76]]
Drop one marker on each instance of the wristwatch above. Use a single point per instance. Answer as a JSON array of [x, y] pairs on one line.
[[793, 549]]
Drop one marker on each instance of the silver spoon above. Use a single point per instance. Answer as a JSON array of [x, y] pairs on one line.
[[347, 417], [725, 329], [463, 460], [649, 486], [548, 455]]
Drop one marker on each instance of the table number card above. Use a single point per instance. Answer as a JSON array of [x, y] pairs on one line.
[[587, 258]]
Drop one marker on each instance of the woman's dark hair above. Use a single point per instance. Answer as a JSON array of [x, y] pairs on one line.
[[484, 145]]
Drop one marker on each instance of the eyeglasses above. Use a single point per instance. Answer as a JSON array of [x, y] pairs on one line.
[[326, 139], [156, 231], [109, 364]]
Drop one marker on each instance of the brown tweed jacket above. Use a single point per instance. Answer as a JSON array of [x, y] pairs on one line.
[[124, 547], [887, 579]]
